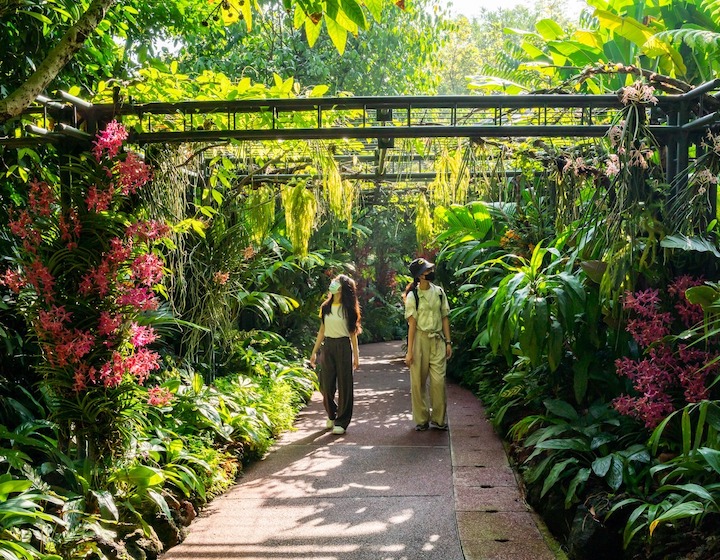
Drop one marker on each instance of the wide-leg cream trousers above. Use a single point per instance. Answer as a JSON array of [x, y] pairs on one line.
[[429, 362]]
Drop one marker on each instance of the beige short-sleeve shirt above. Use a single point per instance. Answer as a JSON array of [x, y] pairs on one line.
[[433, 307]]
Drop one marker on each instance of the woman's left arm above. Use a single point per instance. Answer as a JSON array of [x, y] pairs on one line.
[[446, 334], [355, 351]]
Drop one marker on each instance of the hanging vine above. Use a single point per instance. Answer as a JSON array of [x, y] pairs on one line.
[[339, 194], [452, 181], [260, 213], [423, 223], [300, 211]]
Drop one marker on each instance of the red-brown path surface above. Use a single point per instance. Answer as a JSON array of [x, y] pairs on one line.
[[382, 491]]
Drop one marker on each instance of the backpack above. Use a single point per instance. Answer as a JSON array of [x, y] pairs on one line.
[[417, 298]]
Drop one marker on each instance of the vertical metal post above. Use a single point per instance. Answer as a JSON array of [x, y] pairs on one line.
[[683, 147], [671, 148]]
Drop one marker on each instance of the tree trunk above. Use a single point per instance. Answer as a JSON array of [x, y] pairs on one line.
[[15, 103]]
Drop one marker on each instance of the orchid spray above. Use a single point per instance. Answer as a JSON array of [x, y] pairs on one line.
[[669, 374], [86, 274]]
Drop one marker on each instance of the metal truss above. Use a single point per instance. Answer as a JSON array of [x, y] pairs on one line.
[[677, 122]]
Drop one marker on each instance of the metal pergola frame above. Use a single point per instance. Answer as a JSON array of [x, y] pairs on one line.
[[677, 121]]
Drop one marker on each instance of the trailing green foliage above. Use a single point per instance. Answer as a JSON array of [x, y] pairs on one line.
[[260, 213], [568, 449], [300, 208], [687, 480], [423, 224]]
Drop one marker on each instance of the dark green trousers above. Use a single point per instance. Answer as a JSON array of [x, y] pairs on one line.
[[336, 375]]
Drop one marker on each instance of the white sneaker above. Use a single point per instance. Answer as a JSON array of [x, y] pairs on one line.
[[338, 430], [329, 424]]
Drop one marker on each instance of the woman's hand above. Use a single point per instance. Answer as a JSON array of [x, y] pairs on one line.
[[356, 363], [313, 360], [408, 359]]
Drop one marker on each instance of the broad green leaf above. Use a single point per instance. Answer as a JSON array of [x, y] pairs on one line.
[[704, 296], [106, 503], [665, 52], [581, 376], [588, 38], [555, 474], [299, 17], [561, 408], [38, 16], [571, 444], [537, 258], [161, 502], [624, 26], [337, 33], [538, 470], [580, 478], [246, 10], [601, 439], [532, 51], [549, 29], [556, 340], [332, 8], [143, 476], [601, 465], [614, 477], [695, 243], [700, 427], [695, 489], [678, 511], [375, 7], [318, 91], [712, 457], [354, 12], [686, 431], [13, 486]]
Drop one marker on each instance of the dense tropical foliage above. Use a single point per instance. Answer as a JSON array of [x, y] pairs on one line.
[[157, 302]]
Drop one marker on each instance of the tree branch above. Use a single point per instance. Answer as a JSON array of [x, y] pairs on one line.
[[15, 103]]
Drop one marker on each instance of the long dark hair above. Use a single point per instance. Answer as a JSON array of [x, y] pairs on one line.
[[348, 301], [411, 287]]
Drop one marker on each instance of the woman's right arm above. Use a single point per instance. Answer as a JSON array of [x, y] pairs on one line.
[[412, 324], [318, 341]]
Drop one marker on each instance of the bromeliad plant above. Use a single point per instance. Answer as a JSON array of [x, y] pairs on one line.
[[86, 275]]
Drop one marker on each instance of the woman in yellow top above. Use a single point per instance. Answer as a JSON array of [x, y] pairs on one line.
[[428, 347], [339, 329]]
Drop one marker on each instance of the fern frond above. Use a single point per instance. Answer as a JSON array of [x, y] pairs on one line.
[[695, 38], [713, 7]]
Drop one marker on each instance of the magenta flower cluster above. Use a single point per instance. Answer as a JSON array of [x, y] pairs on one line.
[[669, 375], [101, 342]]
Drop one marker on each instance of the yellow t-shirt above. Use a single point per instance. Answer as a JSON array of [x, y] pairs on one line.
[[335, 322], [433, 307]]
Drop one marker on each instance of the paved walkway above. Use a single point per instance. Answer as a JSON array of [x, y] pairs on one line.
[[380, 492]]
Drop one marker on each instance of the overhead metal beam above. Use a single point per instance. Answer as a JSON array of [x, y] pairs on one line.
[[523, 131]]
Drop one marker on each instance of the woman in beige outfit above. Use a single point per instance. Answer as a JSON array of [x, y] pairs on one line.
[[429, 347]]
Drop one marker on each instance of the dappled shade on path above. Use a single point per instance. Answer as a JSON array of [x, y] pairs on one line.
[[381, 491]]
